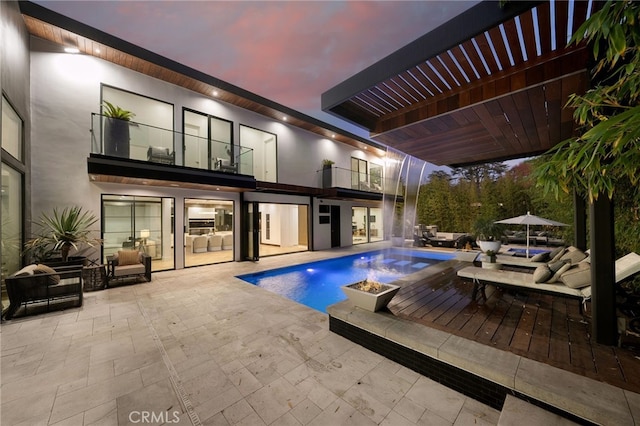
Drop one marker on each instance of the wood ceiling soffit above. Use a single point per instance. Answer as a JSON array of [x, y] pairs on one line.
[[500, 84]]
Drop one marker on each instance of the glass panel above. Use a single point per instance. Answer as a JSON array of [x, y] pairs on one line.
[[141, 223], [150, 127], [209, 237], [264, 146], [11, 130], [375, 177], [284, 228], [196, 150], [359, 225], [12, 229], [375, 224]]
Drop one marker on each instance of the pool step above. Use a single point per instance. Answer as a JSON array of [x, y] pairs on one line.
[[516, 412]]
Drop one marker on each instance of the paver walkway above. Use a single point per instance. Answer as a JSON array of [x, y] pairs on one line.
[[198, 346]]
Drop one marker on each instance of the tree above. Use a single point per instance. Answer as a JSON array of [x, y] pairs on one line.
[[608, 150]]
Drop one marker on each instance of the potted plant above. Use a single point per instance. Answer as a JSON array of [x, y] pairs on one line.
[[116, 130], [369, 294], [488, 235], [61, 231], [327, 165], [489, 261]]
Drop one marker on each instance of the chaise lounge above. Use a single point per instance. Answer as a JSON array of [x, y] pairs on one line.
[[572, 280]]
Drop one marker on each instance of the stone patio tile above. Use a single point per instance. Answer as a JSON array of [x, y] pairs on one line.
[[515, 410], [387, 387], [485, 361], [158, 398], [305, 411], [111, 350], [105, 414], [274, 400], [409, 410], [395, 419], [77, 401], [213, 406], [365, 401], [238, 411], [341, 413], [154, 372], [76, 420], [476, 413], [244, 381], [580, 395], [634, 404], [436, 398], [28, 408]]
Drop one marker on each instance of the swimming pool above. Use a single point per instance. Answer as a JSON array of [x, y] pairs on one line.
[[317, 284]]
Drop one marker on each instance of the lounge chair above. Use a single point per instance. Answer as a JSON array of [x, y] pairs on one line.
[[575, 282], [570, 253]]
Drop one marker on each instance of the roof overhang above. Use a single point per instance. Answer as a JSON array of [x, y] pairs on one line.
[[489, 85]]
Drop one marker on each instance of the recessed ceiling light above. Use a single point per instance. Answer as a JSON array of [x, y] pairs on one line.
[[217, 189], [97, 50], [174, 185], [71, 49], [333, 136], [215, 93], [284, 118]]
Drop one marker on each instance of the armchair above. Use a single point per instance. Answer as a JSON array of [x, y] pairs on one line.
[[127, 264], [224, 165], [160, 154]]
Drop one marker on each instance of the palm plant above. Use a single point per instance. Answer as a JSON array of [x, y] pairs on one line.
[[114, 111], [63, 230]]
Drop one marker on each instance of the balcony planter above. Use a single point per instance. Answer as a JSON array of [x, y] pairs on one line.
[[327, 173], [370, 295], [116, 130]]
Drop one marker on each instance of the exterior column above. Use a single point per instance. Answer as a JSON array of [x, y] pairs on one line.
[[603, 288], [580, 221]]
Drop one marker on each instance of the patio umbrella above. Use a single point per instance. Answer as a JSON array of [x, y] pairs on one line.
[[530, 219]]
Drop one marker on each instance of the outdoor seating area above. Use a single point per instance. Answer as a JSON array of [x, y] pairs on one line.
[[39, 288], [128, 264]]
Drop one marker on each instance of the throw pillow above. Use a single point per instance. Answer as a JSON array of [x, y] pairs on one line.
[[127, 257], [573, 255], [540, 257], [27, 270], [577, 277], [44, 269], [565, 266], [542, 274], [556, 254]]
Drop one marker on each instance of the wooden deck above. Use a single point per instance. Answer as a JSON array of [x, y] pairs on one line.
[[540, 327]]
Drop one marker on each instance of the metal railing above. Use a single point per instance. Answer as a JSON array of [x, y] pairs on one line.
[[337, 177], [137, 141]]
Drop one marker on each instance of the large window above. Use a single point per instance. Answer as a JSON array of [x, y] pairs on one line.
[[284, 228], [149, 131], [264, 145], [12, 195], [139, 223], [366, 224], [209, 236], [11, 131], [207, 141]]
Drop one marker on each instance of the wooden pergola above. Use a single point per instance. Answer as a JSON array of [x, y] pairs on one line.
[[488, 85]]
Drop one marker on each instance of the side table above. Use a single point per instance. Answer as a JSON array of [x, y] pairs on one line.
[[94, 277]]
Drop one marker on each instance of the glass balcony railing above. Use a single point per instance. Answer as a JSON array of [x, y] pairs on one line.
[[336, 177], [136, 141]]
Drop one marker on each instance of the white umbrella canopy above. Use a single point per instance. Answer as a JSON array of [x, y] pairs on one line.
[[530, 219]]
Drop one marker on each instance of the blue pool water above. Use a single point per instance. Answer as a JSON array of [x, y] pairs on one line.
[[317, 284]]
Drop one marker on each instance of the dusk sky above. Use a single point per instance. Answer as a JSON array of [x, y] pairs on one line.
[[287, 51]]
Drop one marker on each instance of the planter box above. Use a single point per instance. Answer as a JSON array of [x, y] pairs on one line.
[[370, 301]]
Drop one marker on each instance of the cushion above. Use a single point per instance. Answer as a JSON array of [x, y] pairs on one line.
[[128, 257], [44, 269], [555, 266], [540, 257], [578, 276], [27, 270], [542, 274], [573, 255], [565, 266], [556, 254]]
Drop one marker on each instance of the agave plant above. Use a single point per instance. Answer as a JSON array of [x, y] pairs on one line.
[[114, 111], [63, 230]]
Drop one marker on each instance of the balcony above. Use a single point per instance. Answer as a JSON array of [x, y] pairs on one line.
[[345, 183], [136, 141], [128, 149]]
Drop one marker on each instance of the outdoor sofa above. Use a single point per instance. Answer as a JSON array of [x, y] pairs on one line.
[[44, 286], [570, 280]]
